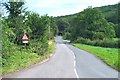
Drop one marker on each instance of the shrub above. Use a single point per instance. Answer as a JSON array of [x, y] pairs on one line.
[[82, 40], [103, 43], [98, 35], [67, 35], [91, 43], [107, 43]]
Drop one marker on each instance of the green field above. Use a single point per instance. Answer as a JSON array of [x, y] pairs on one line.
[[22, 59], [108, 55]]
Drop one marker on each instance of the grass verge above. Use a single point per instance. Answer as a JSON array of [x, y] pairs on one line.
[[18, 60], [108, 55]]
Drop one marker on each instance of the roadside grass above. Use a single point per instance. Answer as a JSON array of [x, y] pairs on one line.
[[108, 55], [51, 46], [18, 60]]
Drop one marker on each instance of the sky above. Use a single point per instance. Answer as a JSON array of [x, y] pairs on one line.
[[64, 7]]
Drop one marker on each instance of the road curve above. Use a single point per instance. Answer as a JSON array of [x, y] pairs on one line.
[[68, 62], [90, 66], [61, 65]]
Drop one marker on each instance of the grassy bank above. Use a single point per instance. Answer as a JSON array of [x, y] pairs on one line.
[[108, 55], [20, 59]]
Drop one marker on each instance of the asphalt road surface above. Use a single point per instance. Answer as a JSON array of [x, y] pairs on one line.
[[68, 62]]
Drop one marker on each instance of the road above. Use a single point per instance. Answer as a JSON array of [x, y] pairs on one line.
[[90, 66], [68, 62]]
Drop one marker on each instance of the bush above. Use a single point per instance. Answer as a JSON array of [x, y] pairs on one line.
[[98, 35], [103, 43], [67, 35], [37, 46], [82, 40], [107, 43], [91, 43]]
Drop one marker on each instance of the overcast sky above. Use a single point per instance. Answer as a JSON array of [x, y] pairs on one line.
[[64, 7]]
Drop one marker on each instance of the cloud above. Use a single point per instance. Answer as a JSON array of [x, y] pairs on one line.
[[51, 3], [67, 10], [64, 7]]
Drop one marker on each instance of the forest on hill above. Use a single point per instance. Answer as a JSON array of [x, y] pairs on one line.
[[95, 26]]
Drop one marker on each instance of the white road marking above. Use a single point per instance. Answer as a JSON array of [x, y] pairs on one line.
[[74, 64]]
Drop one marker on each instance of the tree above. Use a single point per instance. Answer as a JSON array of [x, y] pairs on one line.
[[14, 8], [63, 24], [91, 24], [53, 27], [77, 27], [16, 20], [117, 30]]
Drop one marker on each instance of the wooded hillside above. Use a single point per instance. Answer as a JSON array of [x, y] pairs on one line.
[[92, 25]]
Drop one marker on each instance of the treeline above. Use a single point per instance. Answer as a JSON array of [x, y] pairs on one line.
[[40, 30], [92, 27]]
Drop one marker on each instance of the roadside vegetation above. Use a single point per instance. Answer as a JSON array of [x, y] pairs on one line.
[[108, 55], [109, 43], [41, 31], [19, 58]]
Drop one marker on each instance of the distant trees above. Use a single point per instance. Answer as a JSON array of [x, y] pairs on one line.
[[91, 24], [53, 27], [90, 27], [63, 24], [110, 12], [64, 27]]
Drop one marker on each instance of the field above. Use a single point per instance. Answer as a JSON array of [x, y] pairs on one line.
[[108, 55]]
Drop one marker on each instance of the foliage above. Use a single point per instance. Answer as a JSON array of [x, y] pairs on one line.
[[5, 40], [110, 12], [103, 43], [14, 8], [117, 28], [43, 28], [16, 20], [63, 24], [104, 18], [66, 35], [17, 57], [108, 55], [21, 58], [91, 24], [53, 28], [40, 30]]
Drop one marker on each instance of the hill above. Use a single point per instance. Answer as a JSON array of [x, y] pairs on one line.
[[110, 12]]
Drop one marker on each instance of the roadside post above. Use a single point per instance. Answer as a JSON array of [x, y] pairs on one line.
[[25, 39]]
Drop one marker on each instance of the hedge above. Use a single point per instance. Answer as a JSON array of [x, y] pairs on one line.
[[103, 43]]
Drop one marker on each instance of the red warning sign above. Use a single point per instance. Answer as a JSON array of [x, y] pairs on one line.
[[25, 37]]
